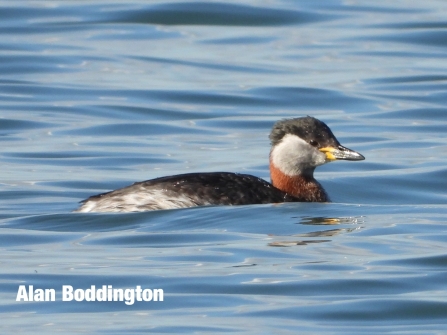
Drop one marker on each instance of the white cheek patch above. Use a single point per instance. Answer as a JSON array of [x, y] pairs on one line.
[[293, 156]]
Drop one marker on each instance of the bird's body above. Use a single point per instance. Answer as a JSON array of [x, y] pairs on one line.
[[188, 190], [298, 147]]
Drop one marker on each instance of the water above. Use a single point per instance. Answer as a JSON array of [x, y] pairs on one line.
[[97, 95]]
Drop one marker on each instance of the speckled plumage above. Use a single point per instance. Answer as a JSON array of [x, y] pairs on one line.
[[187, 190], [307, 128]]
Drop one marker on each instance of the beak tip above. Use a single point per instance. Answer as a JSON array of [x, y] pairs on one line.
[[349, 155]]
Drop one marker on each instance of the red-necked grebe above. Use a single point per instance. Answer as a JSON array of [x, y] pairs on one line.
[[299, 145]]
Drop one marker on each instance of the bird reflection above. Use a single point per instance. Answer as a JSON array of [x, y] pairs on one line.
[[318, 221], [321, 220]]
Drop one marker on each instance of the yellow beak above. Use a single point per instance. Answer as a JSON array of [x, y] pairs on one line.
[[342, 153]]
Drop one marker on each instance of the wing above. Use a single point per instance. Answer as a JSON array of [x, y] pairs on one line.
[[188, 190]]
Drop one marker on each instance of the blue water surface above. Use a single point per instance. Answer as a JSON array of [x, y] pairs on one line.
[[97, 95]]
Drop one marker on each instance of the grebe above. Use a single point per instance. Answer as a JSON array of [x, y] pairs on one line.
[[299, 145]]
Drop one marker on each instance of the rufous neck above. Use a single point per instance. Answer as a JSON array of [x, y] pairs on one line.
[[302, 186]]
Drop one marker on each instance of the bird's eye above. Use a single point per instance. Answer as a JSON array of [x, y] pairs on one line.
[[313, 143]]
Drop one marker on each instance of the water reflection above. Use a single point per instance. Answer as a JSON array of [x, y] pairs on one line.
[[293, 243], [320, 220], [319, 233]]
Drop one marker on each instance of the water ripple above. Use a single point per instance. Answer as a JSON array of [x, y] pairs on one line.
[[95, 96]]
